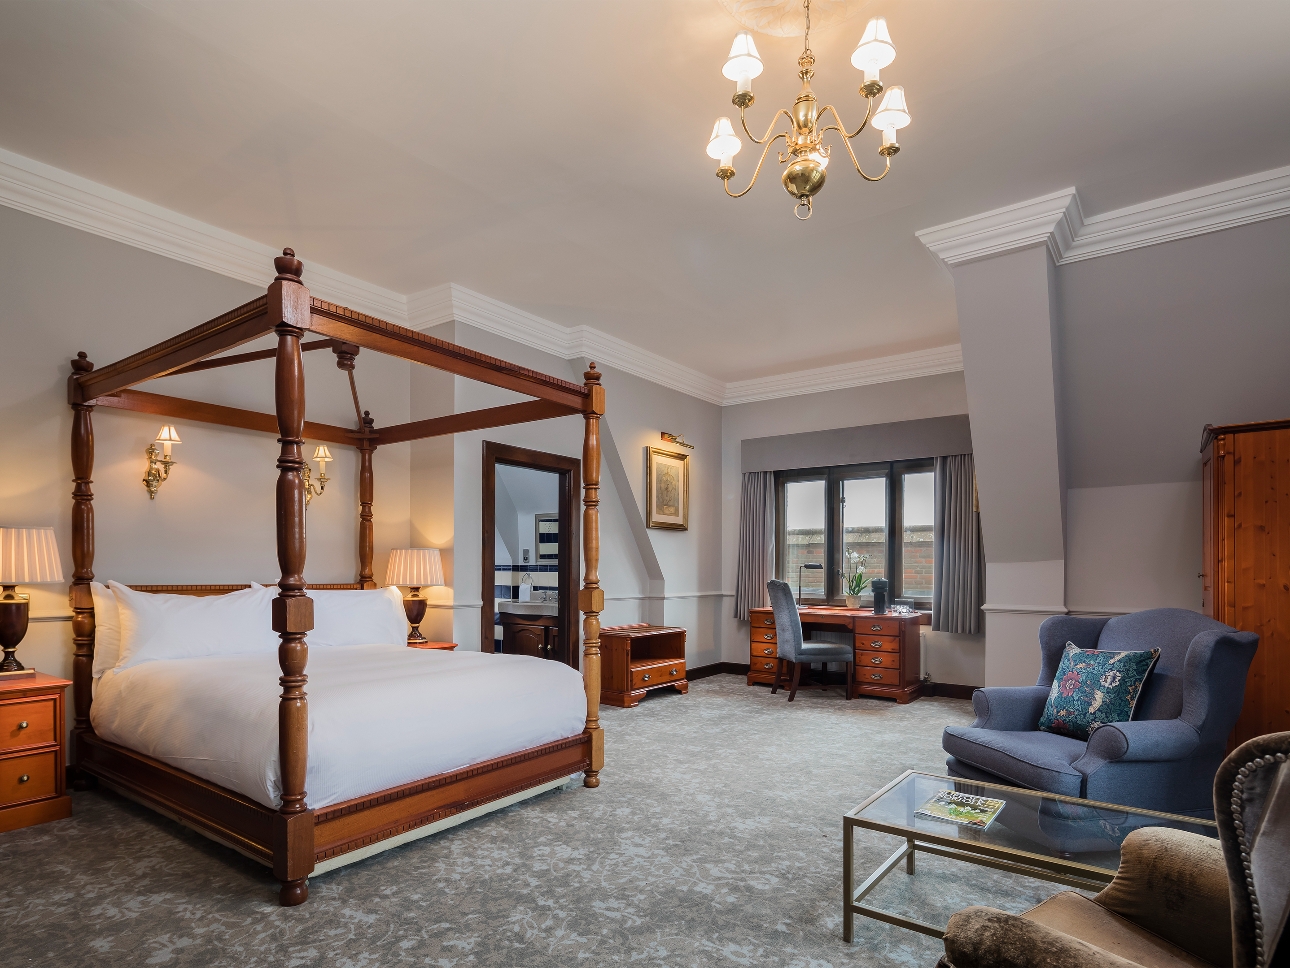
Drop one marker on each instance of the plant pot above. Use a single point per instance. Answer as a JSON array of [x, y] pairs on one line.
[[853, 601]]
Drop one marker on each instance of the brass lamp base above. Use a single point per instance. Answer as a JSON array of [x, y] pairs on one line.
[[414, 607], [13, 626]]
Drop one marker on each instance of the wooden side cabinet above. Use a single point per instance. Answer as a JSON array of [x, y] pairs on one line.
[[535, 635], [32, 762], [638, 658]]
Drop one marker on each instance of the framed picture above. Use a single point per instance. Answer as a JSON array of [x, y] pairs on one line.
[[667, 492]]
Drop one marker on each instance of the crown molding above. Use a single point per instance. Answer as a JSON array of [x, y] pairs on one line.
[[1052, 220], [887, 369], [39, 189], [1058, 221]]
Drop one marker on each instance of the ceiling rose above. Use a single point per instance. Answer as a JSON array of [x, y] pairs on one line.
[[784, 18], [805, 156]]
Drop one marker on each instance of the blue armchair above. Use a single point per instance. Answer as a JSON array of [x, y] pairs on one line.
[[1164, 759]]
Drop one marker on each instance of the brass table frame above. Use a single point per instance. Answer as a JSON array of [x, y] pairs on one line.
[[1058, 870]]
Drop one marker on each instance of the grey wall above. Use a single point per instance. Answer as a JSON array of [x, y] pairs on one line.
[[903, 440]]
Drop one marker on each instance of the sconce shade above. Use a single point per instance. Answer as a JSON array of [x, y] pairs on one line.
[[744, 61], [29, 556], [168, 435], [724, 143], [415, 567], [321, 453], [875, 50], [892, 113]]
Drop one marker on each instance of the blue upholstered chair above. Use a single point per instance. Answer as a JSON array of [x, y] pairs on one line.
[[792, 649], [1164, 759]]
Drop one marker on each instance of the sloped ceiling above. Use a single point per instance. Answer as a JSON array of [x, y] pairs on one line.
[[550, 153]]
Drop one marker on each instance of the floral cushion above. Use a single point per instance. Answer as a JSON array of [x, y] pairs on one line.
[[1093, 688]]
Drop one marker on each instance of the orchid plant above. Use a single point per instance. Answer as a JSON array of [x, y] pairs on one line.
[[853, 577]]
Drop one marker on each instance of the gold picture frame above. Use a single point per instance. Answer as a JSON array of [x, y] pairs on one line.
[[667, 490]]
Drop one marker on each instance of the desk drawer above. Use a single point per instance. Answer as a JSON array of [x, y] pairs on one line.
[[761, 666], [877, 677], [762, 636], [28, 722], [645, 676], [877, 660], [872, 642], [878, 625], [762, 650], [762, 619], [29, 777]]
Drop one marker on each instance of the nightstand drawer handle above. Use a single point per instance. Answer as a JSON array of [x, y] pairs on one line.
[[23, 724], [645, 679], [875, 628], [768, 636], [24, 778], [875, 675], [673, 672]]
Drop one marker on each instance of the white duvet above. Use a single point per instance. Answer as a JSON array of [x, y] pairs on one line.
[[379, 715]]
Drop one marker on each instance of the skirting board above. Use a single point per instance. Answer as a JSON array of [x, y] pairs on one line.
[[353, 856], [948, 690], [717, 669]]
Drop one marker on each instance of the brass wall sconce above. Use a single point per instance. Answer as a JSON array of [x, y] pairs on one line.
[[159, 467], [678, 439], [322, 455]]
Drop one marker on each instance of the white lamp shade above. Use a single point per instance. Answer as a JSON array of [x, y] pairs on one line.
[[321, 453], [415, 567], [744, 60], [168, 435], [892, 112], [29, 556], [724, 142], [875, 50]]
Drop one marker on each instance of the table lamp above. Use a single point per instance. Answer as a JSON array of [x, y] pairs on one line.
[[416, 568], [809, 566], [28, 556]]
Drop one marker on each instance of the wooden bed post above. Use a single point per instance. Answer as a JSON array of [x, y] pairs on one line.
[[366, 448], [591, 600], [293, 609], [81, 599]]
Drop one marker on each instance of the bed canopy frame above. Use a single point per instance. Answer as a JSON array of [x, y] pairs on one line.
[[294, 839]]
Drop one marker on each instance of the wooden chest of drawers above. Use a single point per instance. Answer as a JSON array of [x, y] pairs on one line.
[[32, 767], [887, 648], [637, 658]]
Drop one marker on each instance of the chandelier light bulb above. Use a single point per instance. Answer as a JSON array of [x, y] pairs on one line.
[[744, 62], [893, 113], [724, 143], [875, 50]]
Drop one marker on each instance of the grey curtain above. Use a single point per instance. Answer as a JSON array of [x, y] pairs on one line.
[[756, 542], [958, 588]]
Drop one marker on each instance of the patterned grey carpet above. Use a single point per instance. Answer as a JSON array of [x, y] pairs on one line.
[[714, 839]]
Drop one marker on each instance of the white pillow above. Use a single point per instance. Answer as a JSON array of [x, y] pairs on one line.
[[107, 629], [184, 626], [369, 617]]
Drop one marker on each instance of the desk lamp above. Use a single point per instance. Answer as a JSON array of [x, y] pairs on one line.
[[810, 565], [27, 556], [415, 568]]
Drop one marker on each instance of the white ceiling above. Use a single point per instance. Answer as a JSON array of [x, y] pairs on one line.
[[550, 153]]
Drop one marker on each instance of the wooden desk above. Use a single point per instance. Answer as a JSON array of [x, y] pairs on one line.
[[888, 654]]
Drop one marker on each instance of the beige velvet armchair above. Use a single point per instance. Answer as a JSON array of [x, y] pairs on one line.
[[1179, 900]]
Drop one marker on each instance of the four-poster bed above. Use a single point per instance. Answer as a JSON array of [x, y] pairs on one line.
[[294, 838]]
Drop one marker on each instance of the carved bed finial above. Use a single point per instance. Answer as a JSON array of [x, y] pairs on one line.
[[346, 353], [591, 375], [82, 364], [289, 267]]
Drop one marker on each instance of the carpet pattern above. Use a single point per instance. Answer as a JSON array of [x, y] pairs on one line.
[[715, 838]]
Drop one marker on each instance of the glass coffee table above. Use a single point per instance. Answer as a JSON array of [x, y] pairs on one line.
[[1060, 839]]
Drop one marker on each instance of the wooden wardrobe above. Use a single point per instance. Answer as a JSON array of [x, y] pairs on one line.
[[1246, 577]]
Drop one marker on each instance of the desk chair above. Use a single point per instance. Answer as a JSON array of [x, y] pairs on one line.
[[791, 648]]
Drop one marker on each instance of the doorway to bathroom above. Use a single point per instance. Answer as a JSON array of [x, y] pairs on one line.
[[530, 553]]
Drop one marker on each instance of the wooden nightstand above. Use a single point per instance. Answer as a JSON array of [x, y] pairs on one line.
[[32, 761], [449, 646]]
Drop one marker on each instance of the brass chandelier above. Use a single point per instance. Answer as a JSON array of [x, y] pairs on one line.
[[806, 156]]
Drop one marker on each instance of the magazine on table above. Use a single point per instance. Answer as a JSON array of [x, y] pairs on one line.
[[962, 808]]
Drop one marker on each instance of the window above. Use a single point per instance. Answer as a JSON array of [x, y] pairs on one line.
[[827, 517]]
